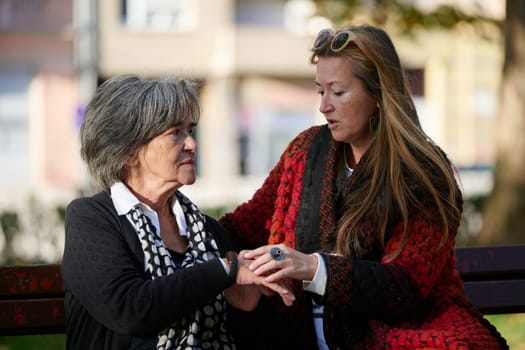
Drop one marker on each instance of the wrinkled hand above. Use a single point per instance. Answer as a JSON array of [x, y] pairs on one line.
[[249, 287], [294, 265]]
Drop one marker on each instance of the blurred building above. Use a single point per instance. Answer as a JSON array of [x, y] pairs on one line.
[[257, 93], [38, 99]]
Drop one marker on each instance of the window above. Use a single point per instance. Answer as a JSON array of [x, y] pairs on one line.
[[262, 13], [272, 112], [271, 132], [14, 129], [159, 15]]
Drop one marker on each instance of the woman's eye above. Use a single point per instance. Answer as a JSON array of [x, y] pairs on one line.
[[180, 132], [320, 93], [338, 93]]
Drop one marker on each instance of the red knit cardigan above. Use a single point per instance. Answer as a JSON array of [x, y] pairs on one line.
[[416, 301]]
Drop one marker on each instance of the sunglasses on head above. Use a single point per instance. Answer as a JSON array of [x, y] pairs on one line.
[[337, 41]]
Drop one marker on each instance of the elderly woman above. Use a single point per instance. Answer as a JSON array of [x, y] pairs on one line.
[[143, 267]]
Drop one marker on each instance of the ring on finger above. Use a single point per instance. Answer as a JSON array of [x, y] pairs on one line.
[[277, 254]]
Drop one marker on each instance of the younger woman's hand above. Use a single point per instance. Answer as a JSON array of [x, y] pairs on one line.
[[249, 287], [278, 262]]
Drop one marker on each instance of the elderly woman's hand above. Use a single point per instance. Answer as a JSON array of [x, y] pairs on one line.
[[249, 287], [278, 262]]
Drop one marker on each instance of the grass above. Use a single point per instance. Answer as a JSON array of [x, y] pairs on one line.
[[34, 342], [512, 328]]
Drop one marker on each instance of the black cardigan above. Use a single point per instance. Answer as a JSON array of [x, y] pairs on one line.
[[109, 298]]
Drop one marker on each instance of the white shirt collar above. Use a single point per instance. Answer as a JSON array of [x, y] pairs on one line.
[[124, 200]]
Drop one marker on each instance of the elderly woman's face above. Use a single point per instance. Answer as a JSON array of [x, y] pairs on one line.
[[345, 103], [169, 158]]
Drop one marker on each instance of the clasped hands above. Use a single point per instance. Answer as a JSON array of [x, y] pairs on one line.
[[267, 270]]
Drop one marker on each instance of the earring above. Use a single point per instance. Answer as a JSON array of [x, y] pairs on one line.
[[372, 122]]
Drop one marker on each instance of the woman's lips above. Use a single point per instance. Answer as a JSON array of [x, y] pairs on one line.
[[187, 162], [332, 123]]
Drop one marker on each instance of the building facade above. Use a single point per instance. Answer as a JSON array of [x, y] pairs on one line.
[[252, 57]]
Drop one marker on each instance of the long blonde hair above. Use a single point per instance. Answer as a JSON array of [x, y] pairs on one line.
[[400, 147]]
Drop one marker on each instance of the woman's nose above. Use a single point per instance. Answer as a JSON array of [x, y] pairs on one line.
[[190, 144], [325, 105]]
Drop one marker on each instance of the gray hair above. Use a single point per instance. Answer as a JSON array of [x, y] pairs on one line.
[[125, 114]]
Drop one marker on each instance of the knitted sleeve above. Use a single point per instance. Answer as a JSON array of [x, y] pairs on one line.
[[102, 275], [384, 289]]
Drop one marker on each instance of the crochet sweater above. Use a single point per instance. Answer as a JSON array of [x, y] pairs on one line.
[[414, 301]]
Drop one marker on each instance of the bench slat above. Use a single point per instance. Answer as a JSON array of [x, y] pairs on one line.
[[32, 297], [497, 297], [38, 316], [491, 263], [31, 281]]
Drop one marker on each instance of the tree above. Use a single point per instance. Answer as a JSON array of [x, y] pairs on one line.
[[504, 211], [405, 15], [504, 215]]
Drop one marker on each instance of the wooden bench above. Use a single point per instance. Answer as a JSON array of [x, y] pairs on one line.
[[494, 277], [32, 298]]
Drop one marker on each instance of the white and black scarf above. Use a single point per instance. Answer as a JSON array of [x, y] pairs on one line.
[[206, 328]]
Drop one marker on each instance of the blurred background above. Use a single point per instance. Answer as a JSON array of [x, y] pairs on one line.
[[465, 60]]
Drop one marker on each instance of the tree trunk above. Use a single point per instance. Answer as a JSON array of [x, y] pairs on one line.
[[504, 213]]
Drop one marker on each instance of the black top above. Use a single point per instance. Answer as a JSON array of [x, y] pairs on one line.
[[109, 298]]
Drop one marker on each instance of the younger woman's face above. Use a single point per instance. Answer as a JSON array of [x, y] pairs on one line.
[[345, 103]]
